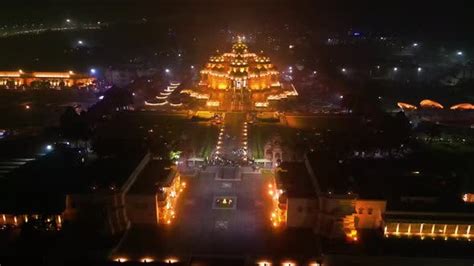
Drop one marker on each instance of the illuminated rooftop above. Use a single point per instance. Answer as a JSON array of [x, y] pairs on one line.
[[239, 69]]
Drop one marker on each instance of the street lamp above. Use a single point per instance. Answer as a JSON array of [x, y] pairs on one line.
[[415, 45], [167, 70], [80, 42], [93, 71], [460, 53], [68, 20], [344, 70], [419, 69], [395, 69]]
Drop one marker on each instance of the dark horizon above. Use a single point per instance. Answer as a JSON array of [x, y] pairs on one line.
[[433, 20]]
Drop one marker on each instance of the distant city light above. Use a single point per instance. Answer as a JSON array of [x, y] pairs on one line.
[[121, 260], [356, 33], [171, 260], [419, 69], [101, 97], [80, 42], [344, 70], [341, 97], [291, 46], [179, 55], [378, 67], [147, 260], [192, 67], [395, 69], [27, 107], [415, 45], [167, 70], [93, 70], [68, 20], [459, 53], [49, 147], [264, 263]]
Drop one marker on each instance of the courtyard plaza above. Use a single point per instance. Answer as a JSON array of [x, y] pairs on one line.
[[224, 211]]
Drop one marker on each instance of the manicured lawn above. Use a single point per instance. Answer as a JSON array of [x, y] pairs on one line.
[[196, 139]]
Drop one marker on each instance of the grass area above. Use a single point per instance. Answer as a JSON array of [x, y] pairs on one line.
[[321, 122], [455, 147], [196, 139], [203, 140], [261, 133], [297, 132]]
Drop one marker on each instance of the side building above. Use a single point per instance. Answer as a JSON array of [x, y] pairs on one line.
[[18, 79], [63, 188], [152, 198], [387, 196], [349, 198]]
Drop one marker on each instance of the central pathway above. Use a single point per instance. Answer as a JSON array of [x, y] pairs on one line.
[[232, 145], [204, 228]]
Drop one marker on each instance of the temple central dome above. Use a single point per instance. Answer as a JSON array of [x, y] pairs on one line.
[[239, 69]]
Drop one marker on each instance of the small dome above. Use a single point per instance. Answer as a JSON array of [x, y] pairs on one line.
[[239, 48]]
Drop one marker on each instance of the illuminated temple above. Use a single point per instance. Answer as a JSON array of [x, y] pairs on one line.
[[239, 69]]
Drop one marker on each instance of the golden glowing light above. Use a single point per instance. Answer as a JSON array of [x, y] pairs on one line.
[[462, 106], [406, 106], [121, 259], [171, 260], [147, 260], [213, 103], [430, 104]]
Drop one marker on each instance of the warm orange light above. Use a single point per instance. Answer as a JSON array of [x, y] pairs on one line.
[[10, 74], [462, 106], [264, 263], [147, 260], [430, 104], [406, 106], [121, 259], [171, 260]]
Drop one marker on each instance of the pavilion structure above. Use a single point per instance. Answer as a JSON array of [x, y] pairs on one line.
[[54, 79]]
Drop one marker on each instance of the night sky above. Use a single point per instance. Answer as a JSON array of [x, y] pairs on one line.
[[448, 20]]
